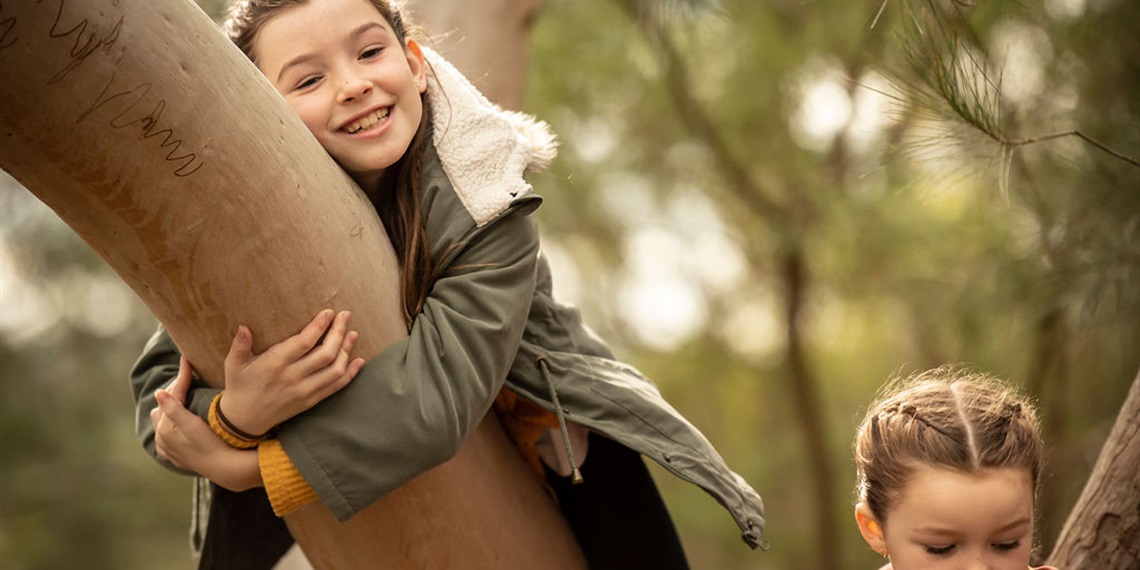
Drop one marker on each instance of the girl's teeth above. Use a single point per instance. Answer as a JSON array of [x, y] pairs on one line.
[[367, 122]]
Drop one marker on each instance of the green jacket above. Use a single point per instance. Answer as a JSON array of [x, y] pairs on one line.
[[489, 321]]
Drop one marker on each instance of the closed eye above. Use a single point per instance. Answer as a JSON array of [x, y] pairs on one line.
[[939, 550], [1007, 546], [307, 82]]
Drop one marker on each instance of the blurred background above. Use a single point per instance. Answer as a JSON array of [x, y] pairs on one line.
[[770, 207]]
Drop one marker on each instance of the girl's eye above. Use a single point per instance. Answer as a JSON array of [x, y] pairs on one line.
[[307, 82], [939, 550], [370, 53], [1007, 546]]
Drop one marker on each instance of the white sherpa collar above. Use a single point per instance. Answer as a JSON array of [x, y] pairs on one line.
[[483, 148]]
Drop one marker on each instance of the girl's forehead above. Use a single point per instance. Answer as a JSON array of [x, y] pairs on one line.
[[317, 21], [936, 498]]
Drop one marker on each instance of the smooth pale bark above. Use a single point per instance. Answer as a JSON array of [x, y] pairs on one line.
[[1103, 529], [164, 148], [485, 39]]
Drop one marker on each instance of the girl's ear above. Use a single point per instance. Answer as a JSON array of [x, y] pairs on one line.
[[870, 528], [416, 64]]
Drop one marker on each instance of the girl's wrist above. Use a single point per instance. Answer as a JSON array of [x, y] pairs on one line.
[[237, 470], [224, 427]]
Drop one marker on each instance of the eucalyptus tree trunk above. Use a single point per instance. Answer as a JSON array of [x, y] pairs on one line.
[[1103, 529], [485, 39], [154, 139]]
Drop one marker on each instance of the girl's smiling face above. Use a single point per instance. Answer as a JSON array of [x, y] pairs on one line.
[[946, 519], [341, 67]]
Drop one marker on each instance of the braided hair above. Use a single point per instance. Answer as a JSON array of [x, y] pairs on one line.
[[947, 418]]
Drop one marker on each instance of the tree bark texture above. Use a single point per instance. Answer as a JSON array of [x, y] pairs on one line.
[[166, 150], [1103, 529], [485, 39], [161, 145]]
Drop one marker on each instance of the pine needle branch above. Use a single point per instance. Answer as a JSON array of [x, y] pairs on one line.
[[949, 79], [1073, 133]]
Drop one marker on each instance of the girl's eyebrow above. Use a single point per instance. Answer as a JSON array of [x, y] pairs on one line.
[[293, 63], [938, 531], [1015, 524], [305, 57], [934, 531]]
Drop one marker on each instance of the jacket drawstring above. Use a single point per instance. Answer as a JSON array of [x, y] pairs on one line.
[[544, 367], [200, 515]]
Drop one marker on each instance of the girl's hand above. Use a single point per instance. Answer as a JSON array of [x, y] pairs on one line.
[[184, 440], [290, 377]]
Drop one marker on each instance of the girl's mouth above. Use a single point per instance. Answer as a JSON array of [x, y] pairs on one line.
[[368, 121]]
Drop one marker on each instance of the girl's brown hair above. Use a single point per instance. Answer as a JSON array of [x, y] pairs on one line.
[[948, 418], [397, 200]]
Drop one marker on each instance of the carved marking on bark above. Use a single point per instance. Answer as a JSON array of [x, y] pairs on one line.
[[6, 27], [85, 40], [81, 49], [148, 122]]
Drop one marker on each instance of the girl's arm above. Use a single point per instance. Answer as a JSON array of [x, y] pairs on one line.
[[155, 369], [185, 441], [290, 377], [413, 405], [286, 379]]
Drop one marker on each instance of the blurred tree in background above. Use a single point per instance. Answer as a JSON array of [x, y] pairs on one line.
[[770, 207]]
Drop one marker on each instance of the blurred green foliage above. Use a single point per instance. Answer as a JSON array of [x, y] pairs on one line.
[[919, 244], [922, 240]]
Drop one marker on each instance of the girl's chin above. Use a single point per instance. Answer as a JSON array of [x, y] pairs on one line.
[[366, 178]]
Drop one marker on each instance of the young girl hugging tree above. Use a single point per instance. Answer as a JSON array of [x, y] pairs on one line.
[[947, 466], [303, 421]]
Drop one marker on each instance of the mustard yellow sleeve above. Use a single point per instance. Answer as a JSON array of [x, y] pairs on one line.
[[233, 439], [287, 489]]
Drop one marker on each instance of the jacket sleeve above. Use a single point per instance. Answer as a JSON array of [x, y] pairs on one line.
[[413, 406], [156, 368]]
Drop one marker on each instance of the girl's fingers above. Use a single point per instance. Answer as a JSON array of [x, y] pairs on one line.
[[241, 349], [334, 339], [155, 418], [172, 410], [181, 385], [298, 345], [354, 368], [339, 364], [331, 379], [350, 342], [325, 354], [333, 382], [162, 431]]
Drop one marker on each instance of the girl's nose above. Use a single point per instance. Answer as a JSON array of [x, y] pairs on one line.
[[353, 89], [979, 564]]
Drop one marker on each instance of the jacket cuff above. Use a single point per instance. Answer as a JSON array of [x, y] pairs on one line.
[[286, 488], [219, 427]]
